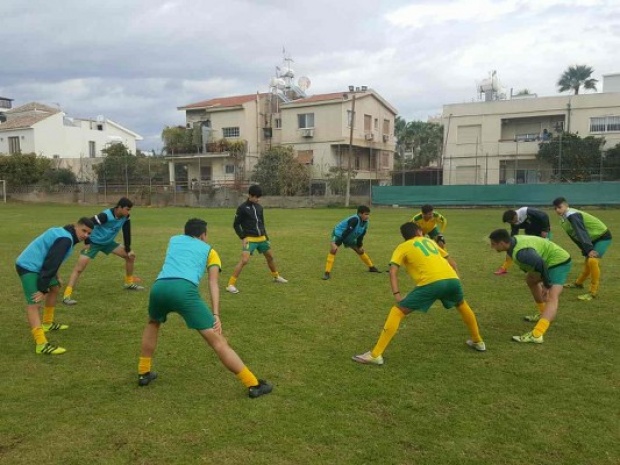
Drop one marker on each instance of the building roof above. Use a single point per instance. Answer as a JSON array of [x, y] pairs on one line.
[[221, 102], [27, 115], [320, 98], [33, 107]]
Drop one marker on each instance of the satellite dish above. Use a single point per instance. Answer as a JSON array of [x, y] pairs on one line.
[[303, 83]]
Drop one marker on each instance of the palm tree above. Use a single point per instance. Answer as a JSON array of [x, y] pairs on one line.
[[575, 77]]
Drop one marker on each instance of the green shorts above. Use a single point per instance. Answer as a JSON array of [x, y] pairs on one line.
[[559, 274], [602, 246], [449, 291], [262, 247], [29, 285], [433, 233], [182, 297], [94, 249]]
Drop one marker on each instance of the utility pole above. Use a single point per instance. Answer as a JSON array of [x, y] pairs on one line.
[[347, 198]]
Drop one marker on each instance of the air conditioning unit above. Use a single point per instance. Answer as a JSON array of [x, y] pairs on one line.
[[386, 137], [369, 136], [307, 133]]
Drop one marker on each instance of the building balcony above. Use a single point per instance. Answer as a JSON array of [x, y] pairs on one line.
[[517, 148]]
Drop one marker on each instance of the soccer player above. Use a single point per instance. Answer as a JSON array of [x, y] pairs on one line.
[[435, 280], [433, 224], [176, 290], [591, 236], [534, 222], [107, 225], [249, 225], [37, 267], [350, 232], [547, 266]]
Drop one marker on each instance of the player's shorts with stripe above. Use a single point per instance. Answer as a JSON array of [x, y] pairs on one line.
[[180, 296], [448, 291]]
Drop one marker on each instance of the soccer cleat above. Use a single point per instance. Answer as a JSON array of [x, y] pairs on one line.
[[534, 317], [479, 346], [49, 349], [53, 327], [280, 279], [133, 287], [373, 269], [586, 297], [69, 301], [232, 289], [573, 286], [528, 337], [262, 388], [500, 272], [326, 276], [145, 378], [368, 359]]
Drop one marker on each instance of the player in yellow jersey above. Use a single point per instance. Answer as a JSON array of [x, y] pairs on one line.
[[435, 280], [432, 223]]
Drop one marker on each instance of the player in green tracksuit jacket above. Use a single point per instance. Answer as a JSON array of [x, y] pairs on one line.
[[593, 238]]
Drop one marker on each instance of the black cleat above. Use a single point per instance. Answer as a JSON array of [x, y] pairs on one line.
[[326, 276], [373, 269], [263, 387], [146, 378]]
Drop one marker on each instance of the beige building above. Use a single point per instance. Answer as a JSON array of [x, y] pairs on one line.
[[49, 132], [496, 142], [234, 131]]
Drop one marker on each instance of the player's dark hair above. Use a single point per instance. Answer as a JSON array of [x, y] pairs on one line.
[[195, 227], [363, 209], [500, 235], [88, 222], [509, 216], [559, 201], [255, 191], [427, 208], [409, 230], [124, 202]]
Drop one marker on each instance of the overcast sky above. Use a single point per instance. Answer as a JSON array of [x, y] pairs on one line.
[[136, 61]]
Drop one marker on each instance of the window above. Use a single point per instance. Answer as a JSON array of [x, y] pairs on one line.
[[386, 126], [350, 118], [278, 123], [376, 124], [305, 121], [605, 124], [385, 160], [92, 149], [358, 162], [229, 169], [367, 123], [230, 132], [14, 145]]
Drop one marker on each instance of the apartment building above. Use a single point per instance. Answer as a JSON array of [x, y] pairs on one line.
[[496, 141], [234, 131]]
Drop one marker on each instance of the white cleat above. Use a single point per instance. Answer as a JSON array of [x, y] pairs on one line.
[[479, 346], [280, 279], [232, 289]]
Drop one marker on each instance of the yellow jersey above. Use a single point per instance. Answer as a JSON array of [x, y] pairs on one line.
[[437, 221], [424, 260]]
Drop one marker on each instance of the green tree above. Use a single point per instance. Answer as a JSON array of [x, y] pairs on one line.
[[574, 77], [337, 179], [611, 164], [573, 158], [54, 176], [424, 140], [20, 169], [178, 139], [120, 166], [279, 173]]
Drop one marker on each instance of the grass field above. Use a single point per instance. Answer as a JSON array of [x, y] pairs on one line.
[[435, 401]]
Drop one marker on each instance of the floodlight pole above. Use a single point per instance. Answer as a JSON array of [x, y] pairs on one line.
[[347, 198]]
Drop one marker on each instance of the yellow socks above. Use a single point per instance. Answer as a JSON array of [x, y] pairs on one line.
[[584, 273], [366, 259], [39, 335], [232, 281], [144, 365], [507, 262], [541, 306], [275, 274], [389, 330], [595, 274], [247, 377], [68, 292], [469, 318], [128, 280], [541, 327], [330, 262], [48, 315]]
